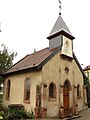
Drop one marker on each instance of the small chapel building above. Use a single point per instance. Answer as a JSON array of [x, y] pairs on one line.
[[50, 82]]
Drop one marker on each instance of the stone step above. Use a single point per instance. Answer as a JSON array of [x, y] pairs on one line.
[[73, 117]]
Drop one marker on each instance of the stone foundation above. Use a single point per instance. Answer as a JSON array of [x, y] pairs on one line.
[[40, 112]]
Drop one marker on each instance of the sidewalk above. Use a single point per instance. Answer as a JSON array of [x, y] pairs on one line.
[[85, 115]]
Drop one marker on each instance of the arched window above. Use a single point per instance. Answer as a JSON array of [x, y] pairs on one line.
[[66, 46], [78, 91], [66, 85], [27, 90], [8, 90], [52, 90]]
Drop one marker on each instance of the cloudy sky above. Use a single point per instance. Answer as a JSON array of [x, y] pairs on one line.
[[25, 25]]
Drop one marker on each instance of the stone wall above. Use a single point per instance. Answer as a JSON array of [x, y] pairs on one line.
[[54, 71], [17, 89]]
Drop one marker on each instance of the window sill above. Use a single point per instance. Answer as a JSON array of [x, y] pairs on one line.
[[52, 99], [26, 101]]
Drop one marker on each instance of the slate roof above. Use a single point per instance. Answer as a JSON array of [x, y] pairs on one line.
[[31, 60], [60, 26]]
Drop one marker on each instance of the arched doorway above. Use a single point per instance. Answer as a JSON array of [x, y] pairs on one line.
[[66, 89]]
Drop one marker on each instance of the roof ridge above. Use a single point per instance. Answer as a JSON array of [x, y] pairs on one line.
[[39, 51]]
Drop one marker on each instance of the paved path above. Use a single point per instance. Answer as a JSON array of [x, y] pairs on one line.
[[85, 115]]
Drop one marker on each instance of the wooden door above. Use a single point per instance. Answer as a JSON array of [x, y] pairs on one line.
[[66, 98]]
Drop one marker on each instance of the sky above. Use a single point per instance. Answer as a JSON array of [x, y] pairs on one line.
[[25, 25]]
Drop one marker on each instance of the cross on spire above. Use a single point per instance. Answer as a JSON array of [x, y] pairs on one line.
[[59, 6]]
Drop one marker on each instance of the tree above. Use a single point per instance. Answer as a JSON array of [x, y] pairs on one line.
[[6, 59], [86, 81]]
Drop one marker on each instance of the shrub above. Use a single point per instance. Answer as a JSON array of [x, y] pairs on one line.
[[1, 115], [16, 111]]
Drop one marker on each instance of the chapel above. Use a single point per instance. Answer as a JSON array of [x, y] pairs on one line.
[[50, 82]]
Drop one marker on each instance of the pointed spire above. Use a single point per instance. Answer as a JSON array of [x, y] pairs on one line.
[[59, 7], [60, 27]]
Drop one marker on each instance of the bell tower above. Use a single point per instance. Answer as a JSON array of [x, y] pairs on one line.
[[60, 36]]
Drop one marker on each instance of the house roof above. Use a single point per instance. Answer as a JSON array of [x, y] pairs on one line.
[[60, 27], [31, 60], [37, 60], [87, 68]]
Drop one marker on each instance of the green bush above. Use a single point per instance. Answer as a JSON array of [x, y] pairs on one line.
[[3, 113], [15, 112]]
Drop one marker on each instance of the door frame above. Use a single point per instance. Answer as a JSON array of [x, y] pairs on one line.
[[66, 97]]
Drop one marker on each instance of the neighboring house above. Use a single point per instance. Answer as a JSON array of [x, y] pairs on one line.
[[50, 81], [87, 72]]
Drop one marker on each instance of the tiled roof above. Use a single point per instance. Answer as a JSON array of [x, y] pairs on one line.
[[87, 68], [37, 59], [31, 60]]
